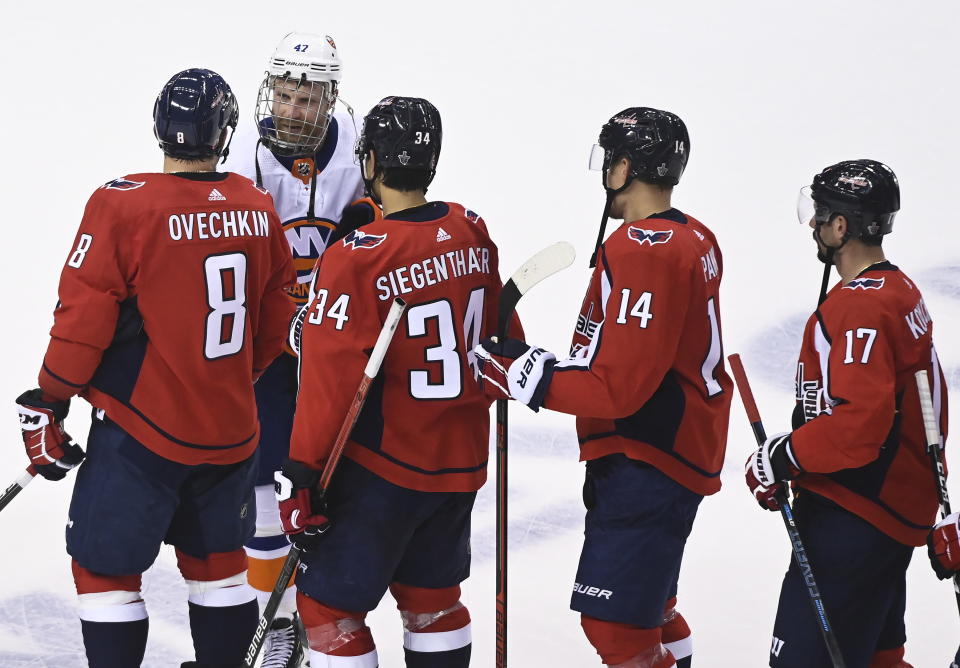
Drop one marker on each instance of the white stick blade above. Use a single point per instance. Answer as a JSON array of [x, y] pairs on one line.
[[547, 262]]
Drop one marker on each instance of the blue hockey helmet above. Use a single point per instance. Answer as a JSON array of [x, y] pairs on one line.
[[192, 114]]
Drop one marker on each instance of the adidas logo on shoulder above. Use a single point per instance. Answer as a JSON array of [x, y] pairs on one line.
[[216, 196], [442, 235]]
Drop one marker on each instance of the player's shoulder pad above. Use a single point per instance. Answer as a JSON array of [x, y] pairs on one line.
[[346, 125], [243, 179], [470, 215]]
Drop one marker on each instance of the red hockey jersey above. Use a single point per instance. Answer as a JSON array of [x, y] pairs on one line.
[[170, 302], [425, 424], [861, 437], [645, 376]]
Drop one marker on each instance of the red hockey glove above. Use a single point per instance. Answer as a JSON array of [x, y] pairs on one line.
[[302, 512], [514, 369], [772, 463], [943, 546], [50, 449]]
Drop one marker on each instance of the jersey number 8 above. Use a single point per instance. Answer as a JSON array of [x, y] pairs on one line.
[[226, 277]]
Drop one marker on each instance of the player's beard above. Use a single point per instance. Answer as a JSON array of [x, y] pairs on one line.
[[824, 252]]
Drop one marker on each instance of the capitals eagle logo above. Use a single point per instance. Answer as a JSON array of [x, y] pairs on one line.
[[651, 237], [864, 284], [358, 239], [123, 184]]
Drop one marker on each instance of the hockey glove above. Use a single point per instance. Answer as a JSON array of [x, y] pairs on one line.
[[355, 215], [768, 467], [302, 512], [514, 370], [50, 449], [943, 546]]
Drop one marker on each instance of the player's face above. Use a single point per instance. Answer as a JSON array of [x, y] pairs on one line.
[[300, 110], [828, 235]]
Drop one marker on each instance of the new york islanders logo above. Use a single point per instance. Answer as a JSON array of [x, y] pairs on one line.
[[307, 240], [865, 284], [651, 237], [123, 184], [358, 239]]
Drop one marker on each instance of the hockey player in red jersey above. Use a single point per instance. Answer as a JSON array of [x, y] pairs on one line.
[[646, 380], [400, 501], [171, 304], [865, 494], [299, 147]]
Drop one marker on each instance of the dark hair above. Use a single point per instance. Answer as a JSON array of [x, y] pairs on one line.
[[405, 180], [872, 240]]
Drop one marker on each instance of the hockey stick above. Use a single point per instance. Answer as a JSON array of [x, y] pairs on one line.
[[17, 486], [547, 262], [293, 557], [799, 551], [932, 428]]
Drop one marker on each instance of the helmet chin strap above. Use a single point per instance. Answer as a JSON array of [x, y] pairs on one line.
[[611, 193], [826, 255]]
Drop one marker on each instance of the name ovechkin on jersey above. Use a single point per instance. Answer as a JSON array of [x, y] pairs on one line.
[[433, 270], [217, 224]]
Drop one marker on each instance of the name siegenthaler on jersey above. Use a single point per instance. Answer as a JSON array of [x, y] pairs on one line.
[[217, 224], [433, 270]]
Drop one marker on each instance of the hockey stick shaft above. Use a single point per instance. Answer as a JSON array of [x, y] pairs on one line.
[[547, 262], [931, 428], [16, 487], [796, 543], [293, 556]]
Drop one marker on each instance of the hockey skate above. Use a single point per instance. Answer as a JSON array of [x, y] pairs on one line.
[[284, 645]]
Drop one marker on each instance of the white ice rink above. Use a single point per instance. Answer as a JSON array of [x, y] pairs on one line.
[[771, 93]]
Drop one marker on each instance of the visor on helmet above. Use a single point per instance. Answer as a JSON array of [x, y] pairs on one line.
[[599, 159], [809, 210], [293, 114]]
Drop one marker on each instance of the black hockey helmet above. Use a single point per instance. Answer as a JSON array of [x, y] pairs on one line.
[[656, 143], [192, 113], [404, 133], [866, 192]]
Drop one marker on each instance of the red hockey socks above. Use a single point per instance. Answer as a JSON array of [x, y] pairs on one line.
[[223, 608], [436, 626], [336, 633], [113, 618], [675, 634], [625, 645], [889, 658]]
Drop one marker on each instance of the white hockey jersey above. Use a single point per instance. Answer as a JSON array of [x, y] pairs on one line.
[[288, 180]]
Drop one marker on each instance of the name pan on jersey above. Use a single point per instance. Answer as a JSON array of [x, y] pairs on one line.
[[218, 224]]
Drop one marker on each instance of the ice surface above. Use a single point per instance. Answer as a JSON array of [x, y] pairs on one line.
[[771, 92]]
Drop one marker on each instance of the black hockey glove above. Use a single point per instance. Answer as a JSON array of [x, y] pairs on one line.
[[355, 215]]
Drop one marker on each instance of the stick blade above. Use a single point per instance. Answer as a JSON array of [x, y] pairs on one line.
[[546, 263]]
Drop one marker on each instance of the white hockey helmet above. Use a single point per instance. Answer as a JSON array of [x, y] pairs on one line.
[[298, 94]]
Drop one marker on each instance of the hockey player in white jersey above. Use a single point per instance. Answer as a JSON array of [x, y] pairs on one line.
[[300, 149]]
